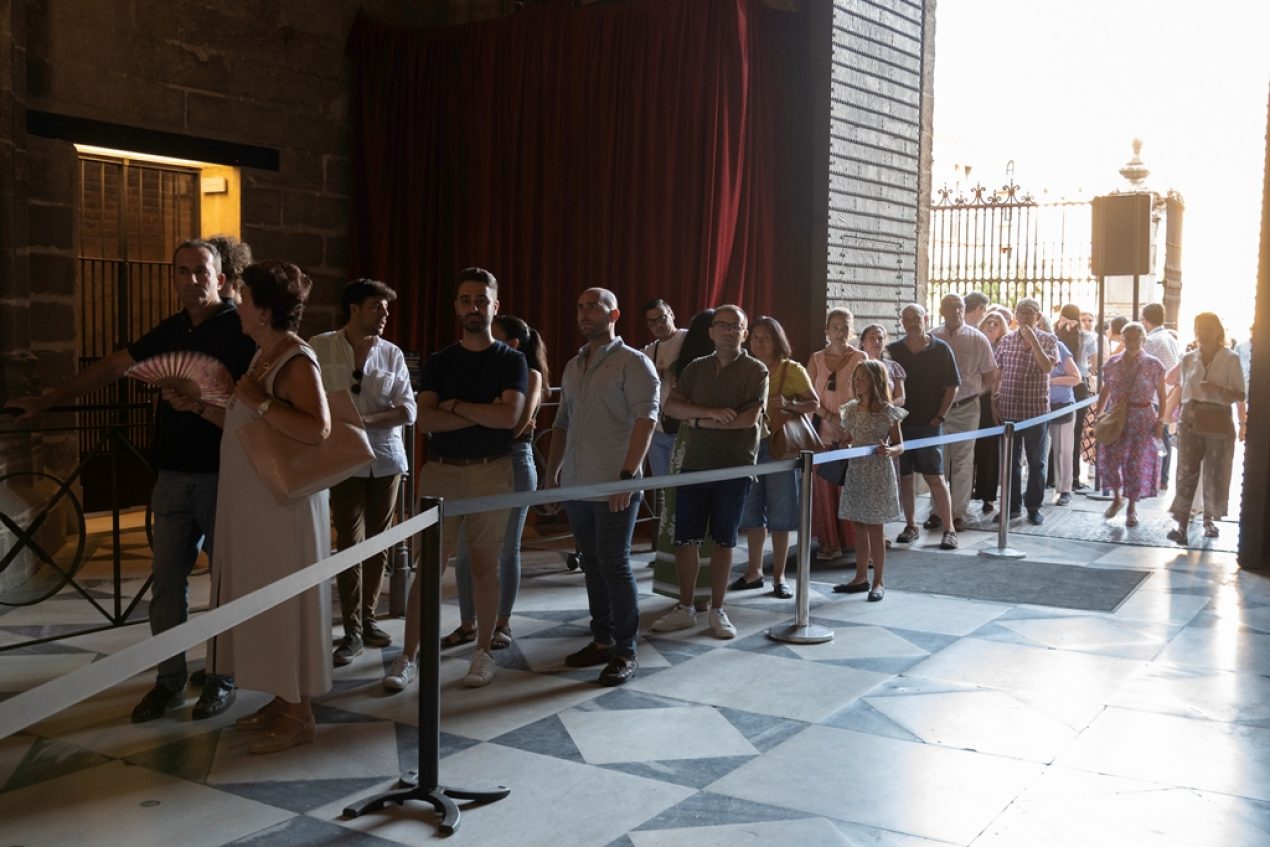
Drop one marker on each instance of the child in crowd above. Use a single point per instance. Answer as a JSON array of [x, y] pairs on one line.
[[870, 496]]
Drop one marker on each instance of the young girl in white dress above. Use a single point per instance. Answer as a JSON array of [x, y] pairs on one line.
[[870, 496]]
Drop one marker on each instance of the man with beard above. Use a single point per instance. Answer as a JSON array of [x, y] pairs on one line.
[[608, 407], [357, 359], [471, 395]]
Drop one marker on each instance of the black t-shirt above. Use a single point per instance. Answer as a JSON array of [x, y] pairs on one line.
[[456, 373], [183, 441], [930, 372]]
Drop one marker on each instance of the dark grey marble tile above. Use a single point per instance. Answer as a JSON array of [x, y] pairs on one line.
[[760, 643], [408, 745], [676, 652], [626, 698], [547, 736], [300, 796], [555, 615], [707, 809], [861, 717], [624, 841], [304, 831], [564, 631], [931, 642], [48, 759], [693, 773], [189, 758], [763, 731], [331, 714]]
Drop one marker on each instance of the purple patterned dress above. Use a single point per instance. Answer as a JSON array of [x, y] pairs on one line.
[[1132, 464]]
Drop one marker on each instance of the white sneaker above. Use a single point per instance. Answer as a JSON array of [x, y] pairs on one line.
[[720, 626], [402, 673], [482, 670], [680, 617]]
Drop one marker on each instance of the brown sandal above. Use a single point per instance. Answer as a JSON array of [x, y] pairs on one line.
[[261, 719], [459, 636], [502, 638], [286, 732]]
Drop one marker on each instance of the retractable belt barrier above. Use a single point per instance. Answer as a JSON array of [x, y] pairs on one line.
[[30, 707]]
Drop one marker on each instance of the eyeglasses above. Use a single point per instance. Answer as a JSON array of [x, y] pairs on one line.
[[659, 320], [832, 384], [728, 326], [357, 381]]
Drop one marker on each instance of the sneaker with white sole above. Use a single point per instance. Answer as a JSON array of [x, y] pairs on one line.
[[680, 617], [481, 671], [720, 626], [401, 674]]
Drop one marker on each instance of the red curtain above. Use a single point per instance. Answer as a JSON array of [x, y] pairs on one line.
[[658, 148]]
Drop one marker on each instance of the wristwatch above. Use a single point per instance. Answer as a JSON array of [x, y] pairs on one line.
[[625, 474], [264, 406], [940, 418]]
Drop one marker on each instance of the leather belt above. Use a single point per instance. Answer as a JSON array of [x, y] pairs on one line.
[[466, 463], [964, 401]]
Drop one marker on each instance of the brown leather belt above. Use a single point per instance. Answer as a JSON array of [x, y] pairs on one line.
[[964, 401], [465, 463]]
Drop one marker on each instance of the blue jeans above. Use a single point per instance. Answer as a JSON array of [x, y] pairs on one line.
[[526, 479], [1031, 441], [184, 506], [773, 500], [712, 508], [604, 543], [659, 453]]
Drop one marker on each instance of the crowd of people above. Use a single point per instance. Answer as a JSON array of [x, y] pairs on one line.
[[724, 392]]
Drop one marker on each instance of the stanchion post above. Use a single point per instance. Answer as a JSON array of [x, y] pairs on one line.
[[802, 630], [1003, 550], [427, 786]]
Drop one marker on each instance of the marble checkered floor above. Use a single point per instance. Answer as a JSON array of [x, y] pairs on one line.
[[927, 720]]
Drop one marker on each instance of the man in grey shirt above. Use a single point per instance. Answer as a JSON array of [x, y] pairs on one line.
[[608, 408], [719, 398]]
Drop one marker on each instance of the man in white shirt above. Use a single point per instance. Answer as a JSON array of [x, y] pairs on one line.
[[358, 359], [977, 367], [663, 350], [1161, 344]]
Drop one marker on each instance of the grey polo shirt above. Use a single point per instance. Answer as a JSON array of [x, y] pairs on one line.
[[740, 385], [602, 395]]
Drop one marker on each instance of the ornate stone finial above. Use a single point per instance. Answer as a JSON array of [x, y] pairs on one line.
[[1134, 170]]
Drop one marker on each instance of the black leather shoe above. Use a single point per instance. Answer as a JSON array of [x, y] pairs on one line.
[[157, 703], [618, 670], [851, 587], [591, 654], [198, 679], [742, 584], [373, 636], [214, 700]]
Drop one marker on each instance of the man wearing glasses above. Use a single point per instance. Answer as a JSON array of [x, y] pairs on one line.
[[719, 398], [663, 350], [186, 456], [357, 358]]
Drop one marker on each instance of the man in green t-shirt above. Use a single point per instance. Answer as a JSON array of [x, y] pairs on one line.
[[720, 399]]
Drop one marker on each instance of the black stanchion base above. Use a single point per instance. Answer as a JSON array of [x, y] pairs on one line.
[[441, 798]]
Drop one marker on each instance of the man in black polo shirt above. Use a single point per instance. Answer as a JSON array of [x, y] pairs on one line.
[[471, 395], [186, 455], [928, 391]]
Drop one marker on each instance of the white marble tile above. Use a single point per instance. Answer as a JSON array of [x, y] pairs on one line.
[[1222, 648], [553, 802], [514, 699], [1227, 758], [1160, 607], [989, 721], [768, 685], [809, 831], [63, 610], [920, 789], [919, 612], [1198, 693], [1094, 635], [1078, 676], [115, 804], [346, 750], [654, 735], [1115, 811], [20, 673], [859, 642]]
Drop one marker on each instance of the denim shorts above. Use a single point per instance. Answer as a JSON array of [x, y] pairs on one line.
[[712, 508], [927, 461], [773, 499]]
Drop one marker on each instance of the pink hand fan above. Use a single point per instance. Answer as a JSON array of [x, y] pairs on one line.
[[196, 375]]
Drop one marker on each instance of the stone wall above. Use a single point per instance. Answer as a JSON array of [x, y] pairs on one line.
[[879, 157]]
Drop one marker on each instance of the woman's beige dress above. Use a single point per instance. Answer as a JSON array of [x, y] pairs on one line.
[[285, 651]]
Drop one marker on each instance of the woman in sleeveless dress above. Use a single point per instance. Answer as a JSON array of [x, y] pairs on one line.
[[284, 651]]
